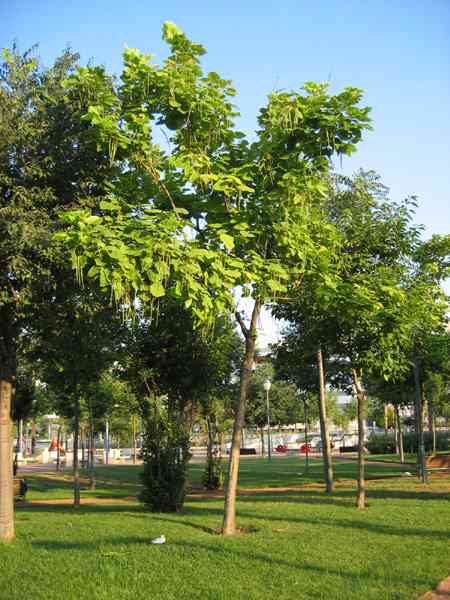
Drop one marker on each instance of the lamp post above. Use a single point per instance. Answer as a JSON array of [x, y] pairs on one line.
[[305, 406], [267, 385], [106, 442]]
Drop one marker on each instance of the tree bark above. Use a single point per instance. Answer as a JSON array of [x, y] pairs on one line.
[[324, 433], [76, 464], [210, 444], [419, 423], [397, 448], [33, 437], [133, 422], [6, 464], [58, 450], [399, 434], [361, 398], [229, 520], [432, 424], [92, 482], [16, 450], [261, 433], [305, 405]]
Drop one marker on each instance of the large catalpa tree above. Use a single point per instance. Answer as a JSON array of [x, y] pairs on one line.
[[195, 209]]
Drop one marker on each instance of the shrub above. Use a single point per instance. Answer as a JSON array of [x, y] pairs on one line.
[[213, 477], [165, 452], [442, 441], [381, 444], [385, 444]]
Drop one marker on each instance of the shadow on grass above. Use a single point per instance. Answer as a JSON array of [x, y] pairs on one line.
[[435, 534], [341, 497], [81, 510], [223, 550], [191, 510]]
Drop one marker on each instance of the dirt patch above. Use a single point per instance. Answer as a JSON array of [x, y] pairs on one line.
[[442, 592], [56, 502]]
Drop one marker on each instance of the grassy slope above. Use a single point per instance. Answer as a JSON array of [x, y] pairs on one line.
[[304, 544]]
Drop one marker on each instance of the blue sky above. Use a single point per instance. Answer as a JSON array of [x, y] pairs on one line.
[[398, 51]]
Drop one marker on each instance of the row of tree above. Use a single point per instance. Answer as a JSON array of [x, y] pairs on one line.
[[165, 209]]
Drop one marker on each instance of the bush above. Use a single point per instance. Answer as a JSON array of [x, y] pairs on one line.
[[165, 452], [213, 476], [381, 444], [410, 441], [385, 444]]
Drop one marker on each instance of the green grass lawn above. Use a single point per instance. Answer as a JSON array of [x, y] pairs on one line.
[[409, 458], [300, 543], [119, 481]]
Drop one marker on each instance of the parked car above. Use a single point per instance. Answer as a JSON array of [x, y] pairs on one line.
[[282, 448]]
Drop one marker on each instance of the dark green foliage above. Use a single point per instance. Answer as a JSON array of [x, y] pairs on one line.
[[385, 444], [165, 453], [442, 441], [213, 475], [381, 444]]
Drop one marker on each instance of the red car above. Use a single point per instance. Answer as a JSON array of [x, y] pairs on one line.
[[303, 447], [282, 448]]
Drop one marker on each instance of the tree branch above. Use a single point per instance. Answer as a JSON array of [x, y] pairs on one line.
[[242, 325]]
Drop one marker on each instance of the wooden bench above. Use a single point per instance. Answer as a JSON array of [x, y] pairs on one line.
[[246, 451], [20, 488], [437, 462]]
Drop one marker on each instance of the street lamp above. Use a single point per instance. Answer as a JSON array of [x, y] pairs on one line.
[[267, 385], [106, 442]]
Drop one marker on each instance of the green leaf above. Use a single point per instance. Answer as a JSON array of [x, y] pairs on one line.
[[226, 240], [171, 31], [157, 290]]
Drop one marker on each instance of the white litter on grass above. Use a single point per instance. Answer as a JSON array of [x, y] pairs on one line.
[[407, 474], [159, 540], [299, 473]]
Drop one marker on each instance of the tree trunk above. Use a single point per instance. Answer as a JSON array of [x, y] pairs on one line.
[[210, 444], [33, 437], [6, 463], [306, 438], [58, 451], [76, 465], [399, 434], [397, 448], [82, 442], [229, 520], [92, 482], [326, 447], [16, 450], [385, 419], [361, 398], [261, 433], [432, 424], [134, 439], [26, 446], [419, 423]]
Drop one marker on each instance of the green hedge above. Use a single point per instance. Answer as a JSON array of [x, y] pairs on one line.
[[385, 444]]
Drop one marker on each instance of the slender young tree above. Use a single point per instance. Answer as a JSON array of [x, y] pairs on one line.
[[377, 303], [327, 463], [252, 210]]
